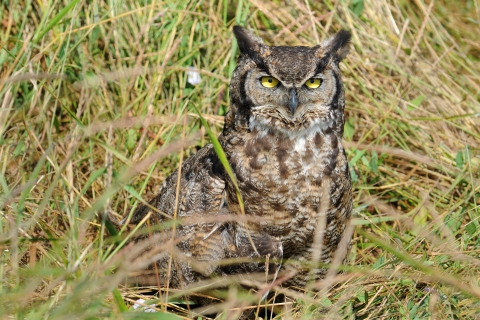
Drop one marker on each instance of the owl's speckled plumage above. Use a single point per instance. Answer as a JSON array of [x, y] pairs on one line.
[[284, 145]]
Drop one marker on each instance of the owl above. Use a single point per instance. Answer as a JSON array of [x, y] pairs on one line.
[[283, 140]]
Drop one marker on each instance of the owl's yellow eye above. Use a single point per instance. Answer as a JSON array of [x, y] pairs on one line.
[[313, 83], [269, 82]]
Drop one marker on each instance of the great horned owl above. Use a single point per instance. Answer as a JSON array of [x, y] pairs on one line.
[[283, 140]]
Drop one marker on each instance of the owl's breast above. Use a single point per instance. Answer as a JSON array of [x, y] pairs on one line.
[[285, 181]]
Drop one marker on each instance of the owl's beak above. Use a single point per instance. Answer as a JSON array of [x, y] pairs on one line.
[[293, 103]]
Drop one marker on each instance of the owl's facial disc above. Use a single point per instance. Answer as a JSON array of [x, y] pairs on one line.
[[277, 105], [290, 89]]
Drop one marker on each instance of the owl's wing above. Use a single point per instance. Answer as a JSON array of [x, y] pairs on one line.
[[201, 190]]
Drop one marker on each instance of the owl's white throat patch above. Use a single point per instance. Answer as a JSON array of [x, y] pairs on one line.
[[265, 126]]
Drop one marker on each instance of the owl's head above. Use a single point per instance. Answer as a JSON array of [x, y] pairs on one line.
[[288, 90]]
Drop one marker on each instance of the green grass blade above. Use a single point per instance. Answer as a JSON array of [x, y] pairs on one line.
[[221, 156], [119, 300], [55, 20]]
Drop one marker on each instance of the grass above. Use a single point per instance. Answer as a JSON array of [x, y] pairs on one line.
[[96, 111]]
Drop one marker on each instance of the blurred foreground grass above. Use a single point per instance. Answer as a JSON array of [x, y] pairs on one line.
[[94, 102]]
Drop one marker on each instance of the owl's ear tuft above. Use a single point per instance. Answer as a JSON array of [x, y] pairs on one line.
[[243, 39], [339, 45], [249, 44]]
